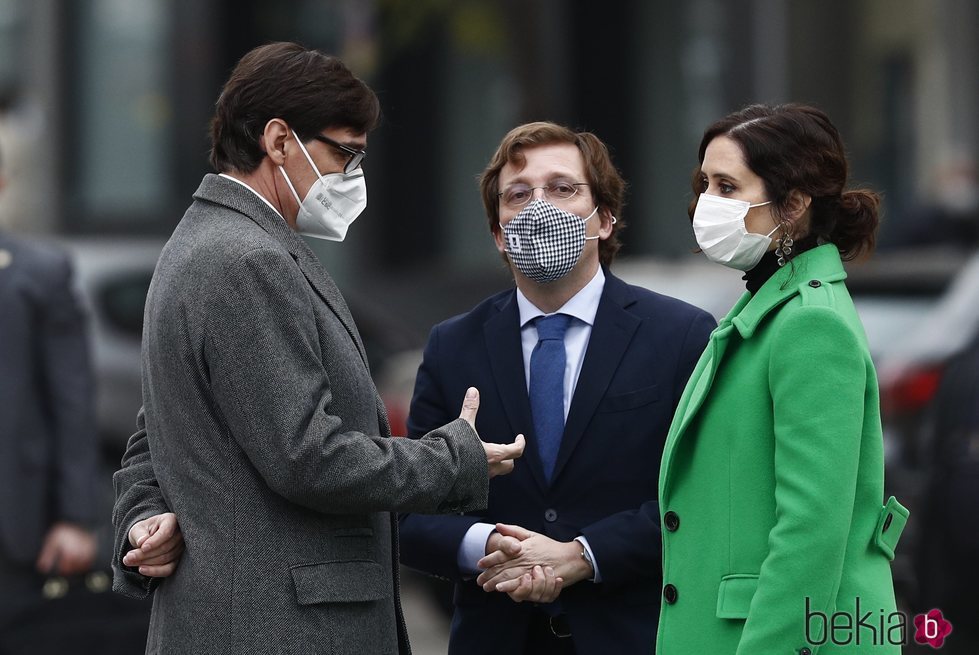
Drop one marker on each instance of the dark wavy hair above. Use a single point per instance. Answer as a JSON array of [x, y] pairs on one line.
[[604, 181], [797, 147], [307, 89]]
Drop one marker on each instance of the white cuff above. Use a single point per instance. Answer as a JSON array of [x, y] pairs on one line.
[[473, 548], [584, 543]]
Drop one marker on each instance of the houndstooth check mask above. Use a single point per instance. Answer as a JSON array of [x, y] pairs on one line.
[[545, 242]]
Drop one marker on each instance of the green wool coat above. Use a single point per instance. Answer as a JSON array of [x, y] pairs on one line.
[[772, 481]]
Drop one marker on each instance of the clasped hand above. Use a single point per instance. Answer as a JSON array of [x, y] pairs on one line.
[[157, 544], [529, 566], [68, 549]]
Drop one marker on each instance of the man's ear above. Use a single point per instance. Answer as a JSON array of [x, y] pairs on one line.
[[607, 220], [500, 238], [273, 140]]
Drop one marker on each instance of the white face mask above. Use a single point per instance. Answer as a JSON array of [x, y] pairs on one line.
[[332, 203], [718, 224]]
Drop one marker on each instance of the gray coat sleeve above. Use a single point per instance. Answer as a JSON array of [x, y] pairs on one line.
[[138, 497], [272, 388]]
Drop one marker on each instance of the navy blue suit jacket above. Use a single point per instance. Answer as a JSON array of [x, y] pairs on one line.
[[48, 442], [642, 349]]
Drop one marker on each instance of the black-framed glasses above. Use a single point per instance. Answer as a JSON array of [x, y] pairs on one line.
[[518, 195], [356, 156]]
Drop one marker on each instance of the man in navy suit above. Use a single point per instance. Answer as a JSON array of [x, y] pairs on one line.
[[48, 440], [568, 552]]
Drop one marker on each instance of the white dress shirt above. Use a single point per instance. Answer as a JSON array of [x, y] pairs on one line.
[[263, 198], [582, 307]]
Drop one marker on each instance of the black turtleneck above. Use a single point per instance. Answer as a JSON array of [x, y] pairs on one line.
[[763, 270], [766, 268]]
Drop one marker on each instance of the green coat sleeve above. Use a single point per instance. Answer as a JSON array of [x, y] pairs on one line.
[[817, 377]]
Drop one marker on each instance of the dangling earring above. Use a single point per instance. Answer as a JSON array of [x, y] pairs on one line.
[[785, 243]]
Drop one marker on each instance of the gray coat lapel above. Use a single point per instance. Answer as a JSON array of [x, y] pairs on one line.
[[328, 291], [222, 191]]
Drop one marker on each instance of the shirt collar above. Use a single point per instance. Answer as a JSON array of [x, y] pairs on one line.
[[263, 198], [583, 305]]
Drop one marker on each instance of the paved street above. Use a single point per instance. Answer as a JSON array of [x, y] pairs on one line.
[[428, 627]]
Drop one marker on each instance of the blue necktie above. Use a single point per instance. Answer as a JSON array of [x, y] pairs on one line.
[[547, 364]]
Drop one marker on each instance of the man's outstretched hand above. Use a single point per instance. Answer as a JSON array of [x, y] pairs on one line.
[[499, 456]]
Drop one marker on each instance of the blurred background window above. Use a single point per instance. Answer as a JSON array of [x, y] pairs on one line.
[[13, 21], [121, 121]]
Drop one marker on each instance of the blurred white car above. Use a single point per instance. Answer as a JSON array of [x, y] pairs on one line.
[[893, 293], [113, 276], [691, 278]]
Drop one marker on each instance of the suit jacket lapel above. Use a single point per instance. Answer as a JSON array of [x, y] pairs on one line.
[[610, 338], [502, 336]]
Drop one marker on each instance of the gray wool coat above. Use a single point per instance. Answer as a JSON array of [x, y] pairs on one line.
[[262, 430]]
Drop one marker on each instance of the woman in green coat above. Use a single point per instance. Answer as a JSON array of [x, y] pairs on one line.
[[775, 539]]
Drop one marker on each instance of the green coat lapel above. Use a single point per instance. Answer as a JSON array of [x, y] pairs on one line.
[[698, 386], [821, 263]]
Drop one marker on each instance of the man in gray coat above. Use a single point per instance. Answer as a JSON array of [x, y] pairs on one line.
[[261, 427]]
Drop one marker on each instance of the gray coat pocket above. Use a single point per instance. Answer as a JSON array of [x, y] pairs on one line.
[[341, 582]]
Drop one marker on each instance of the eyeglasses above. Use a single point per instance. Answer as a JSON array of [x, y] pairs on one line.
[[518, 195], [356, 156]]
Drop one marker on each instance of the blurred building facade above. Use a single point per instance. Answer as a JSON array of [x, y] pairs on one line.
[[106, 102]]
